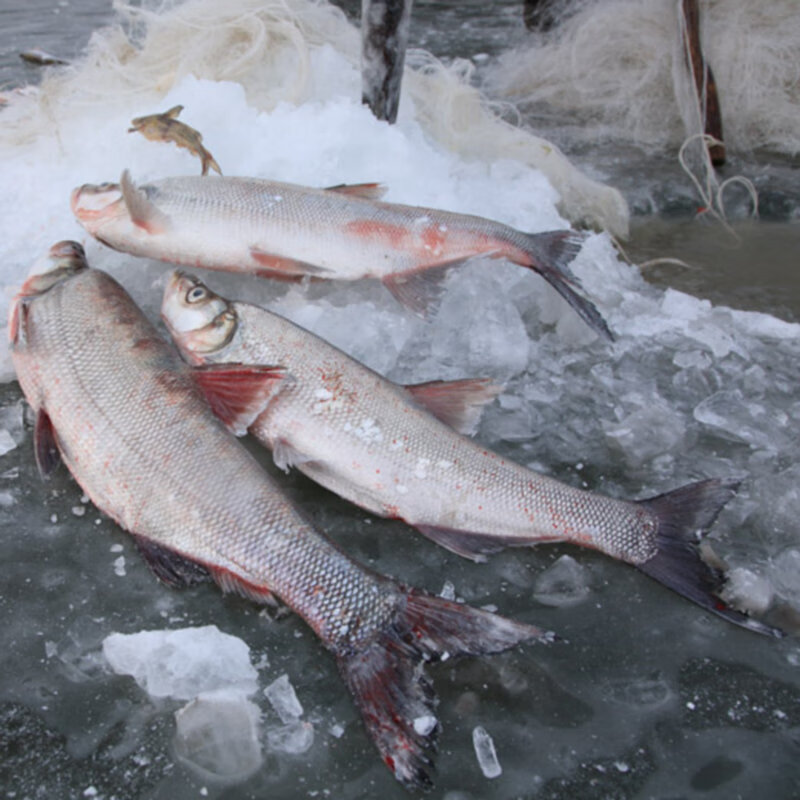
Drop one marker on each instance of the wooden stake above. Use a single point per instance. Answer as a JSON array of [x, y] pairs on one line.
[[704, 82]]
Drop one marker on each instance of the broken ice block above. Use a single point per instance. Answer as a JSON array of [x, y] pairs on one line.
[[485, 752]]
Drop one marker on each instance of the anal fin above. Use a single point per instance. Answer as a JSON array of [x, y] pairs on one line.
[[474, 546], [233, 584], [286, 456], [420, 290]]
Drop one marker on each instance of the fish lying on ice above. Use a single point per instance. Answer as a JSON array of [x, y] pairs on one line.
[[167, 127], [123, 411], [376, 444], [286, 231], [41, 58]]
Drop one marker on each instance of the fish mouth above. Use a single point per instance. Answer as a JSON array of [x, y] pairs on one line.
[[95, 201], [68, 258]]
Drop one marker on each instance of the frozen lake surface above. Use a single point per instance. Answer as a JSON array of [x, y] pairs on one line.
[[647, 696]]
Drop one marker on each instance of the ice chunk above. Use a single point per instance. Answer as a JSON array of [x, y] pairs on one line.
[[485, 752], [293, 738], [646, 433], [747, 591], [217, 733], [283, 699], [741, 420], [565, 583], [425, 724], [182, 663], [7, 443], [785, 574]]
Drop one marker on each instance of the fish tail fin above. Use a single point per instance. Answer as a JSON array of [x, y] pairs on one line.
[[550, 254], [208, 162], [388, 682], [685, 516]]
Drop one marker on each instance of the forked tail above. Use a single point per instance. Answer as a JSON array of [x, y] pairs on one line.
[[388, 681], [685, 516], [549, 254]]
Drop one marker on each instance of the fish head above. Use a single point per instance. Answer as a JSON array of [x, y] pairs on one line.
[[199, 321], [65, 260], [98, 204]]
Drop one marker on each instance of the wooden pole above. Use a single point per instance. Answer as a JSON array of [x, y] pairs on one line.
[[704, 82], [539, 15], [384, 38]]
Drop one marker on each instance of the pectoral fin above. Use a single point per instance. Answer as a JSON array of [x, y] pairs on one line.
[[144, 214], [45, 445], [458, 404], [237, 394]]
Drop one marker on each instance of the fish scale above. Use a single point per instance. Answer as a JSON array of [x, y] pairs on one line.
[[127, 417]]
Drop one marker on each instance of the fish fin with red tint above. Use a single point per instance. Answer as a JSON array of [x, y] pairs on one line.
[[367, 191], [170, 567], [45, 444], [144, 214], [391, 689], [238, 393], [458, 403], [684, 517], [283, 268]]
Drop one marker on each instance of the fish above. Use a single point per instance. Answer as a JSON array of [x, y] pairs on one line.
[[287, 231], [400, 452], [118, 406], [167, 127], [41, 58]]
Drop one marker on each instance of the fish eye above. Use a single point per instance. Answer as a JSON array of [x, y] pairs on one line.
[[196, 294]]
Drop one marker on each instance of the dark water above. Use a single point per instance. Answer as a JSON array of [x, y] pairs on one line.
[[649, 698]]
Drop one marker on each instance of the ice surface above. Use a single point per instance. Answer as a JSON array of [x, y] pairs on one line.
[[217, 733], [283, 699], [182, 663], [485, 753]]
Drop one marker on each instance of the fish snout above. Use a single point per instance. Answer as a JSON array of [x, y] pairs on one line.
[[94, 201], [66, 259]]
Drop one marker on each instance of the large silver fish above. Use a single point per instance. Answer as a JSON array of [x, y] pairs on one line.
[[123, 411], [286, 231], [377, 444]]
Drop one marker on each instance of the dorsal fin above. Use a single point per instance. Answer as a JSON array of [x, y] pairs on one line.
[[173, 112], [237, 393], [143, 213], [458, 404], [367, 191]]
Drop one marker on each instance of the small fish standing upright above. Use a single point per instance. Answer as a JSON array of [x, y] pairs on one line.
[[125, 413], [167, 127]]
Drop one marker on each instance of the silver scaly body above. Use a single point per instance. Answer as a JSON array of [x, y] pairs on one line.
[[125, 415]]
